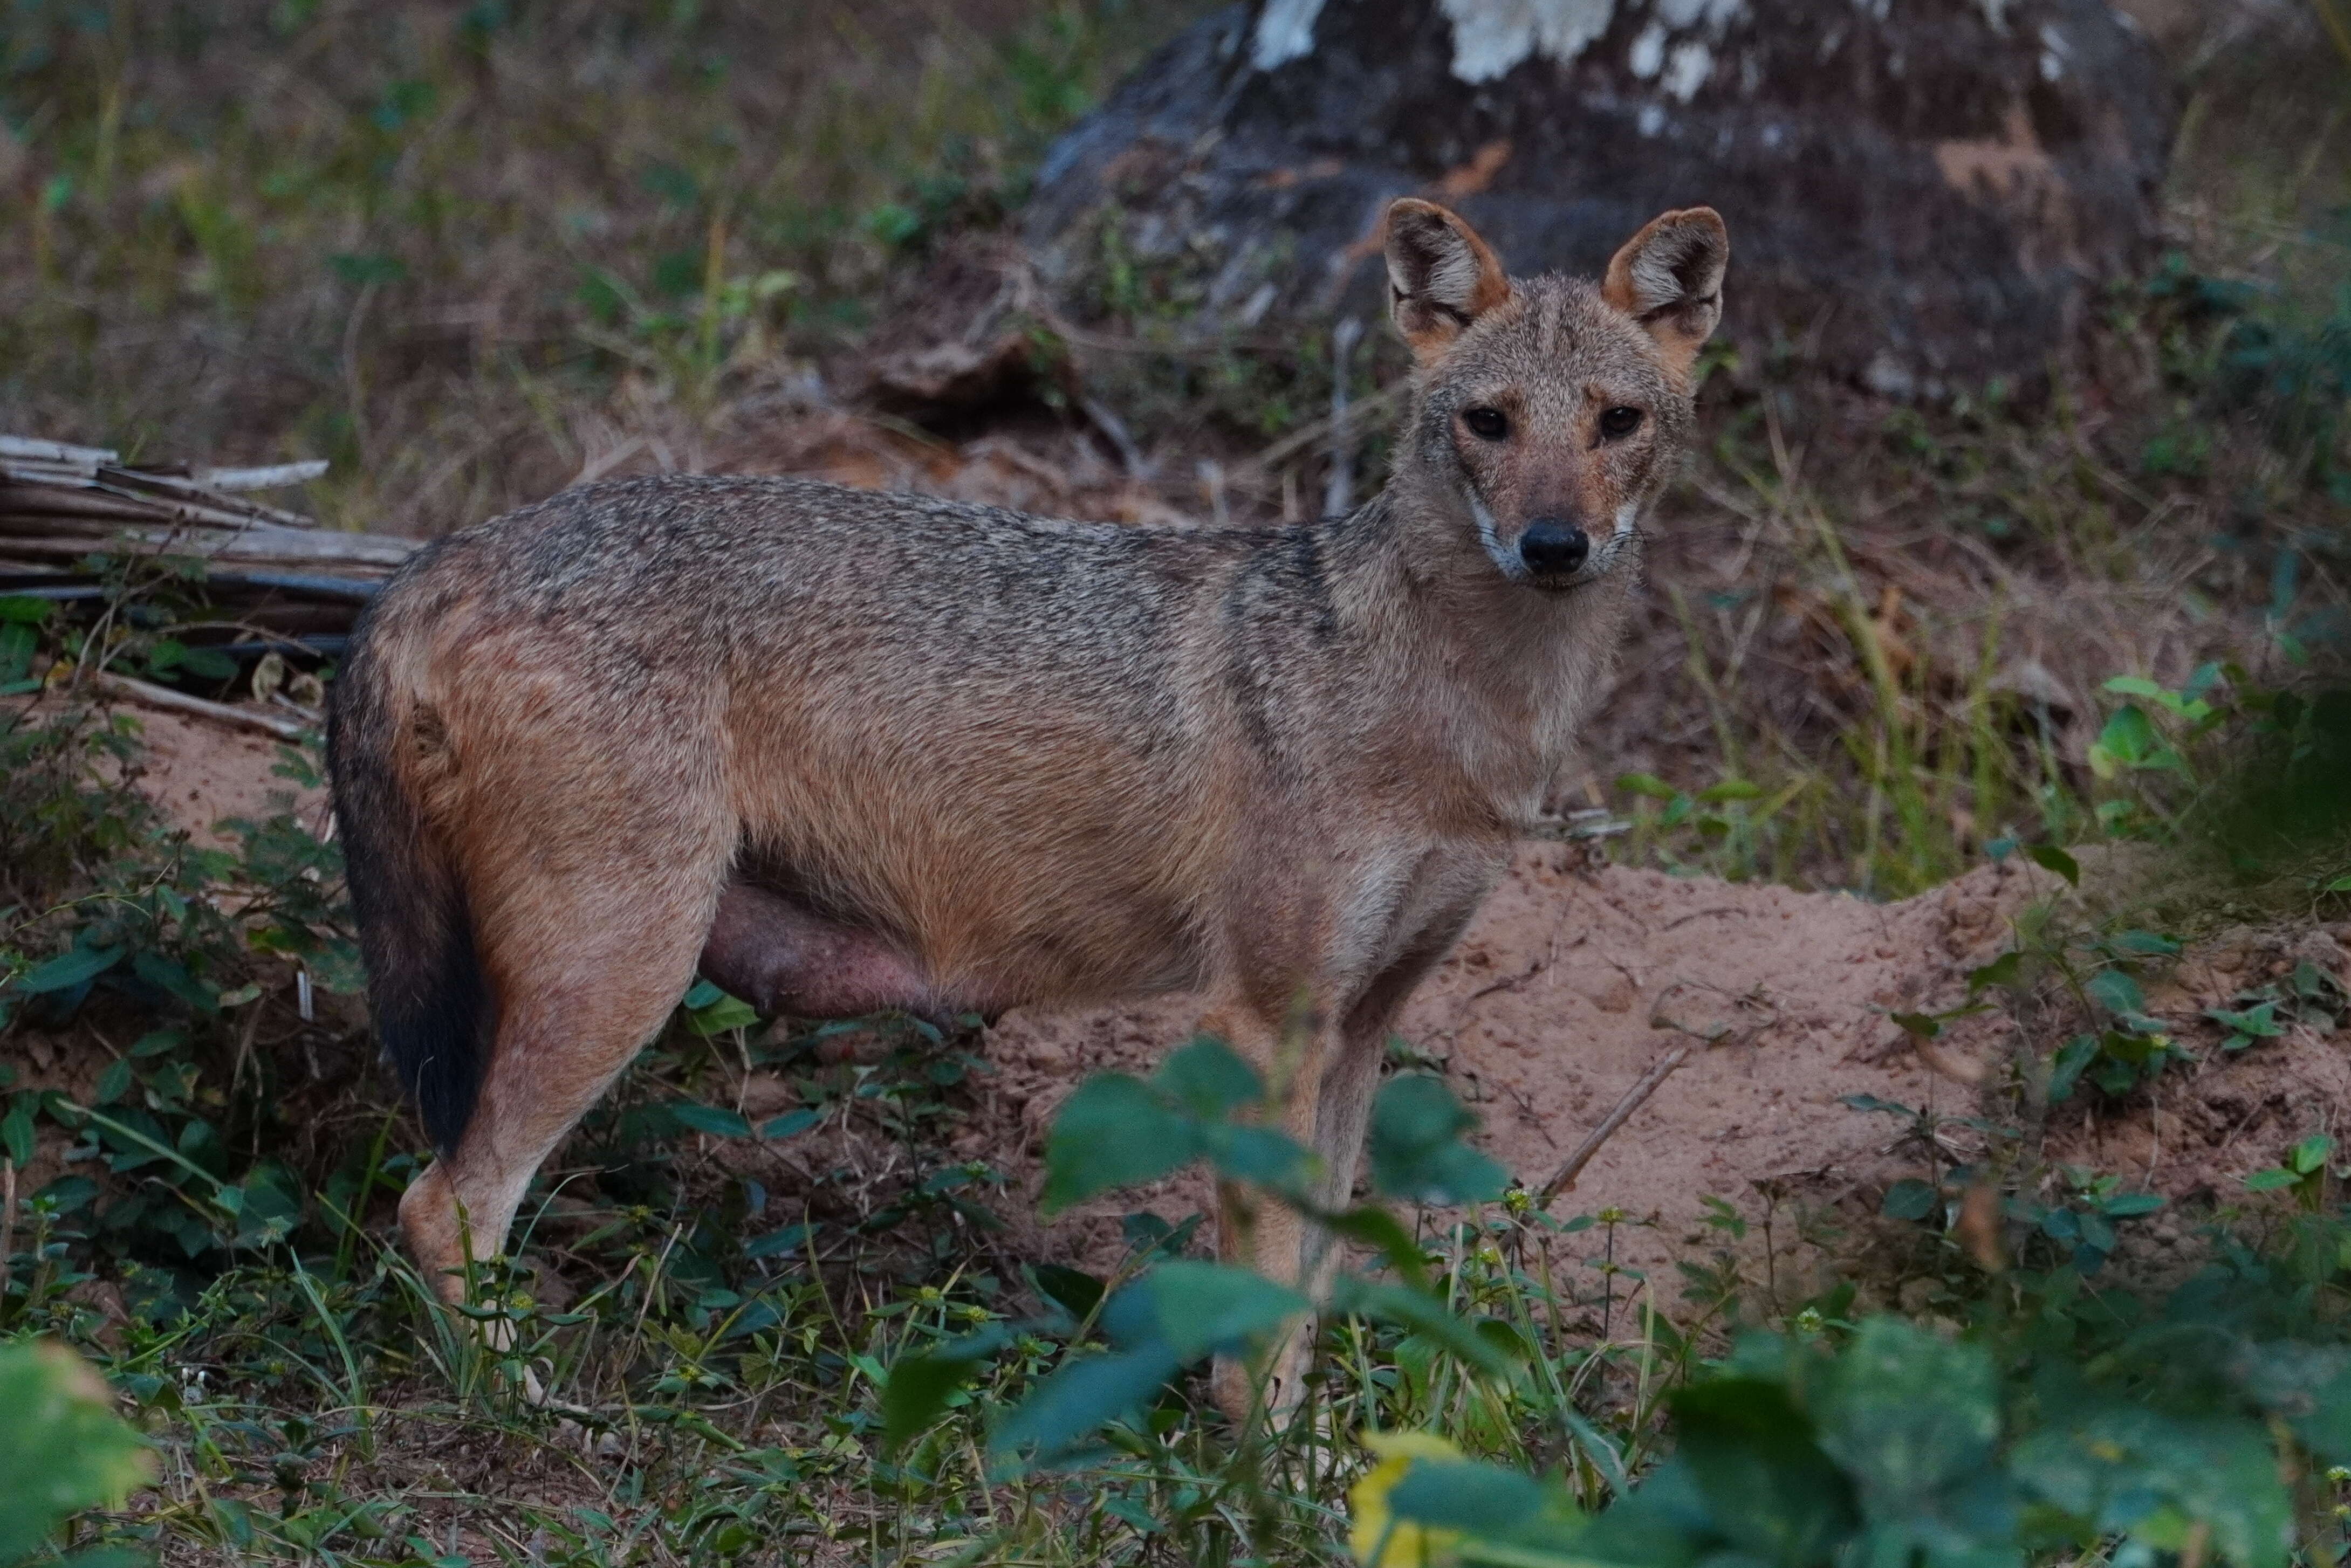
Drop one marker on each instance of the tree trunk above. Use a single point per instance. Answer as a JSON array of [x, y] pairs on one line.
[[1922, 194]]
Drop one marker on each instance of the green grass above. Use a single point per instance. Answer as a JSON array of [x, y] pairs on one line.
[[455, 249]]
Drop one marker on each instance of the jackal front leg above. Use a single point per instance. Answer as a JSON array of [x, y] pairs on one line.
[[1292, 1050]]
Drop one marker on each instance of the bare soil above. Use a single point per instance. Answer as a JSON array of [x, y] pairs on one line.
[[1573, 982]]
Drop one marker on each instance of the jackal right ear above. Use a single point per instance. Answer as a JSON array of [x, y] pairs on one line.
[[1441, 276]]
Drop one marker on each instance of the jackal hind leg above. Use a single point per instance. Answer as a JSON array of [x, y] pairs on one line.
[[586, 965]]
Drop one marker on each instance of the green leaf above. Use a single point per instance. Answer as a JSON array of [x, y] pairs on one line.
[[1425, 1315], [68, 969], [208, 664], [1925, 1025], [2005, 969], [1416, 1152], [2112, 1466], [1072, 1289], [2130, 1205], [779, 1243], [62, 1448], [1476, 1499], [919, 1386], [2325, 1422], [1207, 1079], [2309, 1156], [2065, 1069], [172, 975], [24, 609], [1768, 1486], [1914, 1420], [2051, 858], [112, 1083], [1194, 1308], [1910, 1198], [16, 1130], [1083, 1393], [2256, 1022], [2130, 742], [1113, 1132], [791, 1123], [715, 1120], [2271, 1180], [268, 1205], [1375, 1228], [728, 1013], [2116, 991], [2145, 944], [1649, 784], [1261, 1155]]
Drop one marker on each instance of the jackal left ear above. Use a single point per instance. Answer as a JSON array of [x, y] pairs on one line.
[[1441, 276], [1668, 277]]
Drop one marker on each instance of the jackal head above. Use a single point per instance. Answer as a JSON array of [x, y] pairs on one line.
[[1552, 410]]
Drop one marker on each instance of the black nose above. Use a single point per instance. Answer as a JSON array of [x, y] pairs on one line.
[[1552, 548]]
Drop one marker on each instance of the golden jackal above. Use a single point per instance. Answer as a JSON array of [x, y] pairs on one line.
[[848, 752]]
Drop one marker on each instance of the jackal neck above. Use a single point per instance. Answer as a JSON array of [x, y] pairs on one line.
[[1487, 676]]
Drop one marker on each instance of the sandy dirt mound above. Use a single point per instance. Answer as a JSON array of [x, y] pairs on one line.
[[202, 774], [1574, 982]]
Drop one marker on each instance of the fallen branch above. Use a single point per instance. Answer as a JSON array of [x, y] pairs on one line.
[[170, 701], [1564, 1180], [256, 546], [1576, 825]]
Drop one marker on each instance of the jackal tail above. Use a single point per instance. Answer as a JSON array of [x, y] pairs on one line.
[[425, 986]]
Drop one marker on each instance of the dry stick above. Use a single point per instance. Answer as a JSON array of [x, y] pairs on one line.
[[271, 478], [33, 450], [370, 554], [1565, 1180], [7, 1221], [1378, 404], [1339, 492], [163, 697]]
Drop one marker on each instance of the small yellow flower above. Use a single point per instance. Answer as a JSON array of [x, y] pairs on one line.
[[1374, 1537]]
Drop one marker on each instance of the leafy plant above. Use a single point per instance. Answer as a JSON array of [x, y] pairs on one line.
[[2304, 1171], [1206, 1104], [62, 1449]]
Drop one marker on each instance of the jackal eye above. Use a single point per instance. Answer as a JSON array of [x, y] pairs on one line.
[[1487, 424], [1618, 422]]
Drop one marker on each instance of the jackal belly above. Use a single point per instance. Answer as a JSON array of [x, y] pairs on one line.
[[776, 947], [782, 956]]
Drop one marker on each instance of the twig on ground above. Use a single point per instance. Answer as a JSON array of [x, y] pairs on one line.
[[8, 1221], [1575, 825], [1564, 1180], [1114, 431], [163, 697]]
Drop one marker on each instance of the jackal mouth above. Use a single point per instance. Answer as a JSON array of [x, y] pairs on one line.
[[1519, 564], [1602, 563]]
